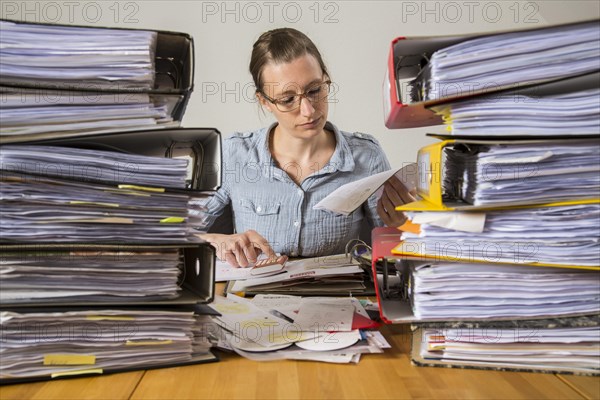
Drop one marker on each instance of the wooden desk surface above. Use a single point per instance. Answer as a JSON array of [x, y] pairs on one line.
[[377, 376]]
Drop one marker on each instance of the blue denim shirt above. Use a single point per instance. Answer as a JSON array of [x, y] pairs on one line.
[[264, 198]]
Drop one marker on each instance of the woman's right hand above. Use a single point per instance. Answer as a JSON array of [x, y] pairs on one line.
[[241, 249]]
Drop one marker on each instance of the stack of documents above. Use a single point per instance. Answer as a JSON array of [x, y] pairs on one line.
[[47, 196], [89, 275], [28, 115], [337, 274], [329, 329], [510, 59], [55, 344], [510, 173], [38, 209], [544, 345], [69, 81], [566, 235], [515, 115], [98, 222], [505, 235], [83, 56], [446, 290], [91, 165]]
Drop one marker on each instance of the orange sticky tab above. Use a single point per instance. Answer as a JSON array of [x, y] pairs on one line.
[[411, 227]]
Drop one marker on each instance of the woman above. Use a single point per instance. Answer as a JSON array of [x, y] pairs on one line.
[[274, 176]]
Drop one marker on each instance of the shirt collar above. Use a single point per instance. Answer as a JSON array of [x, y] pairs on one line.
[[341, 159]]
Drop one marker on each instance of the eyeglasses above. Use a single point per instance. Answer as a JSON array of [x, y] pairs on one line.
[[291, 102]]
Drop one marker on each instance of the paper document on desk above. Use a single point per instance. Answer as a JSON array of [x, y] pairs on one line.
[[347, 198], [227, 272]]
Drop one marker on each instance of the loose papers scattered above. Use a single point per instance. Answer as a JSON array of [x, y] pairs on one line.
[[275, 327]]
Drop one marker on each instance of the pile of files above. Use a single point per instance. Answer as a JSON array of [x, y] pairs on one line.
[[68, 343], [46, 189], [499, 265], [101, 268], [277, 327], [91, 80], [540, 80], [512, 58], [534, 112]]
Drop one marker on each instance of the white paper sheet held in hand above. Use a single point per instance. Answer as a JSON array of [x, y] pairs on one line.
[[347, 198]]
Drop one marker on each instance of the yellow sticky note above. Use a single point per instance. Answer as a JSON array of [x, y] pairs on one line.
[[147, 342], [78, 372], [69, 359], [172, 220], [142, 188]]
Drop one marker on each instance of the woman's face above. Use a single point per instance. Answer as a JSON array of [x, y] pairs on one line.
[[288, 79]]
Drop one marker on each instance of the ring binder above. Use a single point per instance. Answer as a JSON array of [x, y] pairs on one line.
[[172, 62], [407, 60]]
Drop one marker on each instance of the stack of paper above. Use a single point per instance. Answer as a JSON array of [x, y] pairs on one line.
[[565, 114], [88, 57], [512, 58], [530, 173], [332, 274], [533, 346], [562, 235], [28, 115], [445, 290], [68, 81], [505, 233], [54, 344], [38, 209], [98, 222], [131, 204], [87, 275], [90, 165], [275, 327]]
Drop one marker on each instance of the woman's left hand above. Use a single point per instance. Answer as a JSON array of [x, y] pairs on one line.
[[394, 194]]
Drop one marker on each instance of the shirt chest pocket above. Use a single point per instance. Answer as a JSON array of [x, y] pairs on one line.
[[259, 208], [263, 217]]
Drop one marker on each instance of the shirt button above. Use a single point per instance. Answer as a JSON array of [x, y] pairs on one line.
[[259, 208], [296, 223], [300, 192]]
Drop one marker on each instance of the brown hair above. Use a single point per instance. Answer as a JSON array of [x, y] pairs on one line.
[[281, 46]]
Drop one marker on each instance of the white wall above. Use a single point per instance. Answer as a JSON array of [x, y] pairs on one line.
[[353, 36]]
